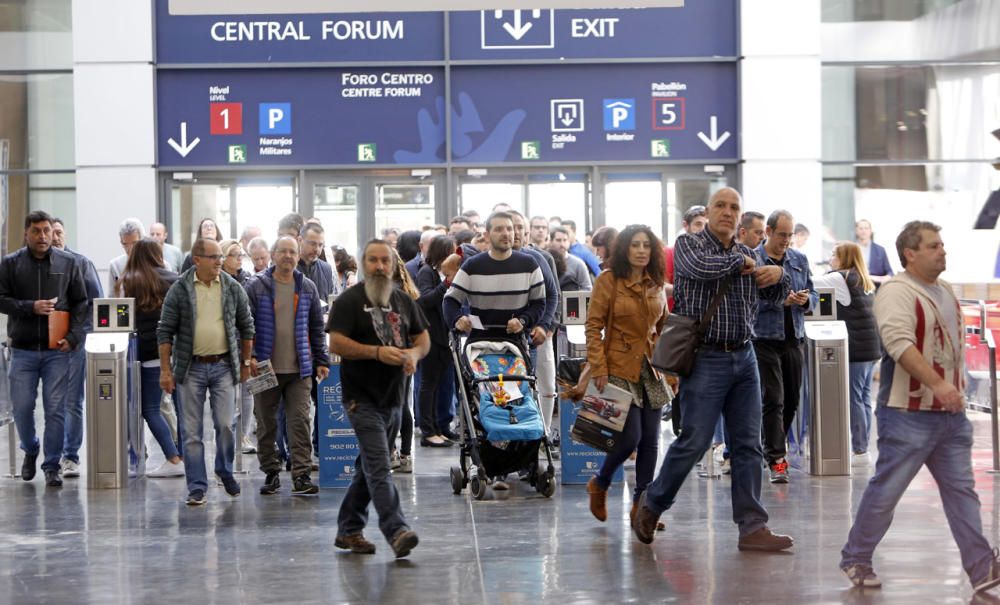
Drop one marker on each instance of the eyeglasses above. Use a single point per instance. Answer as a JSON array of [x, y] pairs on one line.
[[214, 257]]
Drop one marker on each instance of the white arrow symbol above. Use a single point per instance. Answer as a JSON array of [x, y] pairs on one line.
[[184, 148], [715, 141], [517, 30], [569, 115]]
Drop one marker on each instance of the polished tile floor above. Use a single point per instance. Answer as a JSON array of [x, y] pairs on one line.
[[143, 545]]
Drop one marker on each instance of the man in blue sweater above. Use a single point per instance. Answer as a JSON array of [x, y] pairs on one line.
[[502, 287], [288, 323]]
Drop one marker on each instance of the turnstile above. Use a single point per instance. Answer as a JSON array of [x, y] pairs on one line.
[[107, 413], [825, 431], [114, 425]]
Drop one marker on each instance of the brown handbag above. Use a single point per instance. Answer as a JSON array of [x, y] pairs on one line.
[[678, 343]]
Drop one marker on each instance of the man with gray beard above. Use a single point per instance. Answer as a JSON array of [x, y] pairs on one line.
[[380, 334]]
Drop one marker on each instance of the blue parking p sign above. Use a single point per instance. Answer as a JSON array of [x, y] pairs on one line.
[[275, 118], [619, 114]]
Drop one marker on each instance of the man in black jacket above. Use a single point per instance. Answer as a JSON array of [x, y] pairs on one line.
[[36, 282]]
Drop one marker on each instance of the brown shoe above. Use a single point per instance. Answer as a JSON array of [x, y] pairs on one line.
[[644, 522], [660, 526], [598, 500], [355, 543], [763, 539]]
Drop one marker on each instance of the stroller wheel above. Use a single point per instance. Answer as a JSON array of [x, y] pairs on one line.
[[478, 487], [456, 480], [546, 485]]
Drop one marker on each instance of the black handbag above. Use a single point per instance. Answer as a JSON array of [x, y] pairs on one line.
[[678, 343]]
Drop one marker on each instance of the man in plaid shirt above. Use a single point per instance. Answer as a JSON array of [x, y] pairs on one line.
[[724, 379]]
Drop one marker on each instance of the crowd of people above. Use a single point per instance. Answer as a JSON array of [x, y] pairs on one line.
[[208, 319]]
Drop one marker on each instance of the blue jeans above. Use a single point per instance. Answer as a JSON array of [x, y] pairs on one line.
[[26, 367], [906, 442], [642, 431], [202, 379], [151, 396], [372, 481], [861, 404], [75, 394], [725, 383]]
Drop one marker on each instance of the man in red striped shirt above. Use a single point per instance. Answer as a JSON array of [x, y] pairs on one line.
[[921, 412]]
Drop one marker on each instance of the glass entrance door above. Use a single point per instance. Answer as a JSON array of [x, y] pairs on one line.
[[232, 203]]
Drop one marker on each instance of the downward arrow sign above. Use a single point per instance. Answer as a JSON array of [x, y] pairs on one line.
[[183, 148], [715, 141], [517, 30]]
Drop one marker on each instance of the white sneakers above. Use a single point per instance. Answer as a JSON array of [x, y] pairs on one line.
[[861, 460], [166, 470], [69, 468]]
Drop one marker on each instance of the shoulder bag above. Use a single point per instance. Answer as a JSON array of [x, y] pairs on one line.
[[678, 343]]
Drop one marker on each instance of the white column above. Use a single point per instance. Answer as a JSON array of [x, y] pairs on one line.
[[780, 105], [114, 122]]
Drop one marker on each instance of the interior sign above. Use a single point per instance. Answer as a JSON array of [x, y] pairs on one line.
[[282, 31]]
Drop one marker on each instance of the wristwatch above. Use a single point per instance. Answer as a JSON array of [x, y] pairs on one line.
[[246, 363]]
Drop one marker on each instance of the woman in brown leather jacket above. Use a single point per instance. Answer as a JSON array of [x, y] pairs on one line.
[[629, 307]]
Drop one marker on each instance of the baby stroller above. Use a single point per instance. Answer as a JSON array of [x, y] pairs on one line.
[[501, 423]]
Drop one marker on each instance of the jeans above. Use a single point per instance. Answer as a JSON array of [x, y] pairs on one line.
[[861, 404], [215, 379], [294, 391], [152, 394], [75, 394], [25, 368], [780, 365], [906, 442], [372, 481], [642, 431], [403, 426], [726, 383]]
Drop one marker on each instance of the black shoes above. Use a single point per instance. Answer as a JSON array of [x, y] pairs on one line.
[[28, 467], [232, 487], [53, 478], [196, 498], [304, 486], [451, 435], [271, 484]]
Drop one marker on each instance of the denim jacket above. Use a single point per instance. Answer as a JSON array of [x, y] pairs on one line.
[[770, 323]]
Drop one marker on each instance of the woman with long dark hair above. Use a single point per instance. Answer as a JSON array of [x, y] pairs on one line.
[[854, 292], [627, 312], [437, 373], [146, 280]]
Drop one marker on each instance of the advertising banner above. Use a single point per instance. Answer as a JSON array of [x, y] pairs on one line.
[[338, 447]]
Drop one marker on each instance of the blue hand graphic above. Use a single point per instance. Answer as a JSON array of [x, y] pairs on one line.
[[465, 121]]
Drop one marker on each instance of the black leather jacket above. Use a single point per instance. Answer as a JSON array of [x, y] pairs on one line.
[[25, 279]]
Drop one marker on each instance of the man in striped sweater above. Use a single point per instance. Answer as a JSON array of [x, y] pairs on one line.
[[921, 412], [501, 288]]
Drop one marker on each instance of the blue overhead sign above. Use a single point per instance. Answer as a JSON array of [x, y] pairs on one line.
[[706, 28], [284, 117], [298, 38], [573, 113]]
